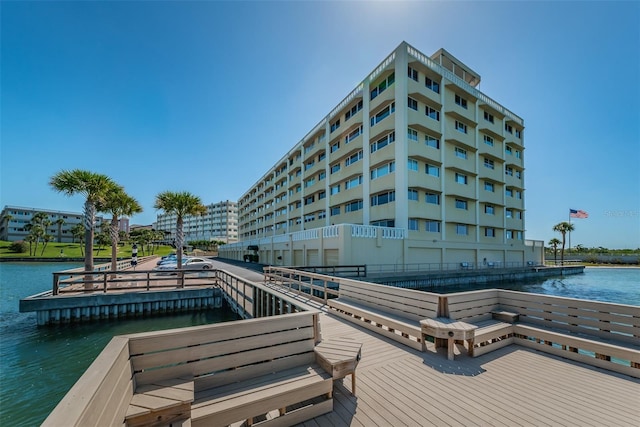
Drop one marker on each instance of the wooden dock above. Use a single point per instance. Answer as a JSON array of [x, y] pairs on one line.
[[398, 385], [512, 386]]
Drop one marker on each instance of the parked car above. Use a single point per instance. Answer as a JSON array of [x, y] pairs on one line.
[[171, 258], [193, 263]]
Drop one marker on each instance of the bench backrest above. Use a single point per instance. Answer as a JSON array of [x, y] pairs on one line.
[[408, 303], [101, 396], [227, 352], [599, 319], [470, 307]]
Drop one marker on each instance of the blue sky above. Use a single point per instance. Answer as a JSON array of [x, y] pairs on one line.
[[205, 96]]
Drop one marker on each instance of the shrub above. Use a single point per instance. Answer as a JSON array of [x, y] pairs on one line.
[[18, 247]]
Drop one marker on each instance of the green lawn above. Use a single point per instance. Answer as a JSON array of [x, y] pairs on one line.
[[72, 250]]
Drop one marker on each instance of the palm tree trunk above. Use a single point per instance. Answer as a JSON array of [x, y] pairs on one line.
[[89, 219], [562, 252], [179, 241], [114, 243]]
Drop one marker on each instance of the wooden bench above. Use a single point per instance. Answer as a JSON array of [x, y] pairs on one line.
[[387, 310], [601, 334], [258, 371], [477, 308]]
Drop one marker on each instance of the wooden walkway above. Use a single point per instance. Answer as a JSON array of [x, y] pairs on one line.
[[512, 386]]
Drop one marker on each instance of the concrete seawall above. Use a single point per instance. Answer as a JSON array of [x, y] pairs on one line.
[[473, 277], [91, 307]]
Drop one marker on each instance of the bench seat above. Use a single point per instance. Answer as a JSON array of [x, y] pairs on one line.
[[229, 403], [162, 402], [491, 335], [382, 322]]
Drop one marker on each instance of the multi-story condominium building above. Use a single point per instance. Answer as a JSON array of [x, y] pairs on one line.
[[220, 222], [14, 221], [415, 159]]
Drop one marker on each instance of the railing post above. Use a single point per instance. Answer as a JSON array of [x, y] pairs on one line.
[[148, 281], [56, 284], [104, 281]]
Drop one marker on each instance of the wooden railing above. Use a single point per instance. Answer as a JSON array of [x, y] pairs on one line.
[[251, 300], [318, 287], [336, 270], [78, 281]]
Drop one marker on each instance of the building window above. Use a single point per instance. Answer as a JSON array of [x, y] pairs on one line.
[[388, 110], [322, 195], [309, 182], [489, 209], [353, 158], [383, 199], [322, 215], [335, 125], [508, 171], [353, 182], [432, 198], [335, 168], [352, 112], [413, 194], [335, 146], [383, 86], [461, 127], [322, 175], [353, 206], [462, 153], [461, 204], [489, 232], [460, 178], [462, 229], [518, 194], [412, 74], [383, 142], [353, 135], [384, 223], [488, 163], [518, 133], [508, 213], [413, 104], [508, 150], [310, 217], [461, 101], [432, 226], [432, 113], [509, 234], [309, 165], [508, 128], [488, 140], [413, 224], [432, 142], [334, 189], [383, 170], [412, 134], [412, 164], [433, 85], [509, 192], [432, 170], [488, 117], [335, 210]]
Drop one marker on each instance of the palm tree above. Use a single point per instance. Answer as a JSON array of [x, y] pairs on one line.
[[180, 204], [59, 222], [563, 228], [553, 243], [94, 187], [7, 219], [119, 204]]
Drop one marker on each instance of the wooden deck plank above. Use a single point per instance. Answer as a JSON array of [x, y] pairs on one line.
[[508, 387]]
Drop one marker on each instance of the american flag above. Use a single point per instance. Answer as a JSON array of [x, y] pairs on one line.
[[573, 213]]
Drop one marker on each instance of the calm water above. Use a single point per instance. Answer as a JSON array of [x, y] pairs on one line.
[[38, 365]]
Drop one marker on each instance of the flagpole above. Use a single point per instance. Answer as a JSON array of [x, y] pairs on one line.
[[569, 230]]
